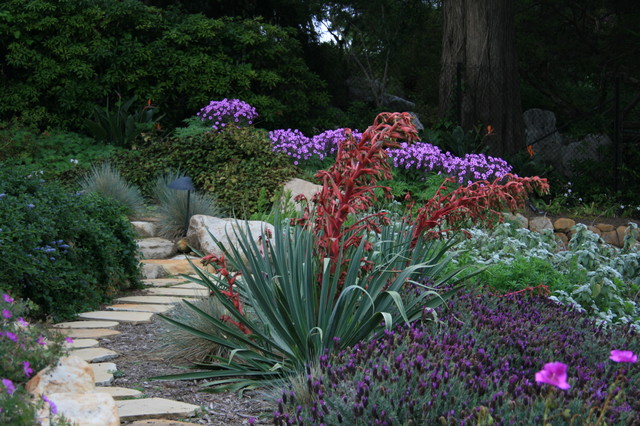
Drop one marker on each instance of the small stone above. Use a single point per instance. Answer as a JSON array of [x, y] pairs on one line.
[[118, 392], [95, 354], [540, 223], [144, 229], [87, 324], [86, 409], [563, 224], [121, 316], [605, 227], [103, 372], [146, 408], [171, 266], [562, 237], [153, 271], [156, 248], [164, 282], [622, 232], [594, 230], [517, 218], [192, 286]]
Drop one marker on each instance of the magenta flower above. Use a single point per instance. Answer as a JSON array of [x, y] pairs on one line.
[[68, 340], [623, 356], [7, 298], [54, 409], [28, 371], [554, 373], [41, 340], [6, 313], [22, 323], [11, 336], [8, 385]]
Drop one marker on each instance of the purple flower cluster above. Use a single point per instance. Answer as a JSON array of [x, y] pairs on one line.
[[228, 111], [423, 156], [482, 361], [300, 147]]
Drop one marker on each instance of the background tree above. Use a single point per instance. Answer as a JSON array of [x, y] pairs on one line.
[[480, 35]]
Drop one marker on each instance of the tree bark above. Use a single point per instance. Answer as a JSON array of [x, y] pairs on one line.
[[480, 36]]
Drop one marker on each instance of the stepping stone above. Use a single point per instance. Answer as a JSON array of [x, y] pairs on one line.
[[121, 316], [162, 300], [95, 354], [86, 333], [118, 392], [103, 372], [149, 408], [87, 324], [163, 282], [81, 344], [159, 422], [156, 309], [187, 292], [191, 285]]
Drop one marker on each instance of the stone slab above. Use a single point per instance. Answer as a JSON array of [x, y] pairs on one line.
[[154, 300], [81, 344], [195, 286], [140, 307], [87, 333], [173, 266], [118, 392], [159, 422], [120, 316], [178, 292], [149, 408], [87, 324], [94, 354], [163, 282], [103, 372]]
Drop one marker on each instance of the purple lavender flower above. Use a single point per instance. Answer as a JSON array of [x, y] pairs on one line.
[[26, 367], [226, 111], [6, 314], [8, 385], [7, 298], [52, 405], [11, 336]]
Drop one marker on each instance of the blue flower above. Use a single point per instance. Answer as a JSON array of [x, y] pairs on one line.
[[30, 206]]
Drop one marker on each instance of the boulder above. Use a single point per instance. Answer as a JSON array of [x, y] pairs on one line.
[[587, 149], [611, 237], [85, 409], [595, 230], [563, 239], [540, 223], [144, 229], [541, 132], [152, 271], [563, 224], [300, 187], [605, 227], [156, 248], [71, 374], [517, 218], [622, 232], [226, 231]]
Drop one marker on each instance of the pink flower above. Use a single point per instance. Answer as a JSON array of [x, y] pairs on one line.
[[54, 409], [28, 371], [41, 340], [7, 298], [623, 356], [6, 313], [11, 336], [8, 385], [554, 373], [68, 340], [21, 322]]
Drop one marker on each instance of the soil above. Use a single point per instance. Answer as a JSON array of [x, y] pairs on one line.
[[139, 360]]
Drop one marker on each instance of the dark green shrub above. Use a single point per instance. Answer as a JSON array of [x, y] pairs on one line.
[[234, 165], [65, 252]]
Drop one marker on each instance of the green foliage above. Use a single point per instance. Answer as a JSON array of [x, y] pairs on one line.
[[234, 165], [303, 306], [119, 127], [172, 206], [27, 349], [66, 253], [523, 272], [107, 181], [61, 59]]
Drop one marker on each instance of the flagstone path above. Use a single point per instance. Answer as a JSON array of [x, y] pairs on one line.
[[162, 295]]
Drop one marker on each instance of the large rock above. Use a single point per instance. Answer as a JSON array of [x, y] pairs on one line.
[[588, 149], [297, 187], [144, 229], [563, 224], [518, 218], [541, 132], [71, 374], [84, 409], [540, 224], [156, 248], [226, 231]]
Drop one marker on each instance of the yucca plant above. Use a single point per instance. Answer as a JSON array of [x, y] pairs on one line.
[[106, 180], [172, 205]]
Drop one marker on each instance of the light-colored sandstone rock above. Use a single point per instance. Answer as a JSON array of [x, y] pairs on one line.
[[94, 354], [70, 374], [171, 266], [84, 409], [140, 307], [164, 282], [594, 230], [540, 223], [297, 187], [144, 229], [563, 224], [605, 227], [178, 292], [86, 324], [156, 248], [147, 408], [103, 372], [227, 231], [123, 316], [517, 218], [154, 300], [87, 333], [118, 392], [152, 270], [81, 344]]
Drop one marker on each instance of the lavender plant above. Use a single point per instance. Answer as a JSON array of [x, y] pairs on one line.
[[481, 364], [228, 111]]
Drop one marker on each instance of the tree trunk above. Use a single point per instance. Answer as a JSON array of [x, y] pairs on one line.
[[484, 89]]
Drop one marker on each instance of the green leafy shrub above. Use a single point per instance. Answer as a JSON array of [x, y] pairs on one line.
[[107, 181], [26, 349], [172, 205], [233, 165], [61, 59], [65, 252]]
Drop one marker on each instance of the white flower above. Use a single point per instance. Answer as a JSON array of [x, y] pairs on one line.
[[74, 161], [622, 206]]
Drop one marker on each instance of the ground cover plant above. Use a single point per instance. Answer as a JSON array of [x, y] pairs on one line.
[[593, 276], [26, 349], [336, 275], [63, 251], [520, 359]]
